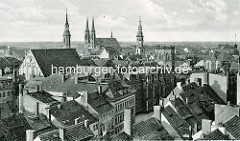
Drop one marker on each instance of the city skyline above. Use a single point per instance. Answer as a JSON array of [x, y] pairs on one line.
[[29, 21]]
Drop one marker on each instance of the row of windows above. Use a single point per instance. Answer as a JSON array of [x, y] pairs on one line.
[[124, 104], [6, 94], [119, 118], [4, 84]]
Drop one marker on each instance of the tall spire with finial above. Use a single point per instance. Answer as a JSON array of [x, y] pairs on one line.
[[66, 33], [87, 35], [111, 34], [93, 33], [140, 48]]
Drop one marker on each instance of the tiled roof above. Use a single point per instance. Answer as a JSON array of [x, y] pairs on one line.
[[122, 136], [215, 135], [55, 84], [13, 128], [9, 62], [56, 57], [40, 124], [42, 96], [151, 129], [185, 112], [104, 63], [109, 43], [5, 109], [73, 133], [181, 126], [233, 127], [116, 88], [98, 103], [204, 97], [69, 111]]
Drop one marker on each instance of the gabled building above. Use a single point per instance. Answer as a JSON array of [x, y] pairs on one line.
[[99, 47], [44, 62]]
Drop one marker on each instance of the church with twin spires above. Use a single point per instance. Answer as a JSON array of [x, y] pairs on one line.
[[99, 47]]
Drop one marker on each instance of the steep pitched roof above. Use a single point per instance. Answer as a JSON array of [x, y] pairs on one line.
[[122, 136], [99, 103], [69, 111], [233, 127], [9, 62], [42, 96], [150, 129], [76, 132], [215, 135], [13, 128], [108, 43], [181, 126], [56, 57]]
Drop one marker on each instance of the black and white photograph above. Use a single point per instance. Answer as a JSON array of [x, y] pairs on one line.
[[119, 70]]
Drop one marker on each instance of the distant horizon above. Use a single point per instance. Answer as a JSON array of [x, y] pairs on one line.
[[162, 21]]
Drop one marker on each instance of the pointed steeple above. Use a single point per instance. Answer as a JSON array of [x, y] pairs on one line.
[[66, 33], [66, 16], [139, 47], [93, 33], [111, 34], [87, 35]]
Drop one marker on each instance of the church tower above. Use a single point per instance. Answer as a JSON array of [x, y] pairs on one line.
[[66, 34], [140, 49], [93, 34], [87, 35]]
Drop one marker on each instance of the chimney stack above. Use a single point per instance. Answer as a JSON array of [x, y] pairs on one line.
[[76, 78], [30, 135], [157, 112], [206, 126], [186, 100], [228, 103], [86, 123], [20, 98], [100, 89], [179, 85], [37, 109], [76, 121], [62, 133], [127, 127], [195, 128], [63, 77]]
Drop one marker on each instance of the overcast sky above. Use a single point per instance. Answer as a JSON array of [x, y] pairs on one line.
[[162, 20]]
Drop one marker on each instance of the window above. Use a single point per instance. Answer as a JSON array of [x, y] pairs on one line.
[[3, 94], [8, 93]]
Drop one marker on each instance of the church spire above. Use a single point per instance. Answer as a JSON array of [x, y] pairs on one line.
[[111, 34], [87, 35], [93, 33], [139, 47], [66, 33]]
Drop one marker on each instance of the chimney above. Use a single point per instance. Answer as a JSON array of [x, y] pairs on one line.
[[100, 89], [62, 133], [30, 135], [195, 128], [157, 112], [38, 88], [37, 109], [179, 85], [59, 106], [228, 103], [127, 127], [206, 126], [86, 123], [76, 78], [76, 121], [20, 98], [190, 132], [63, 77], [187, 102], [161, 102]]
